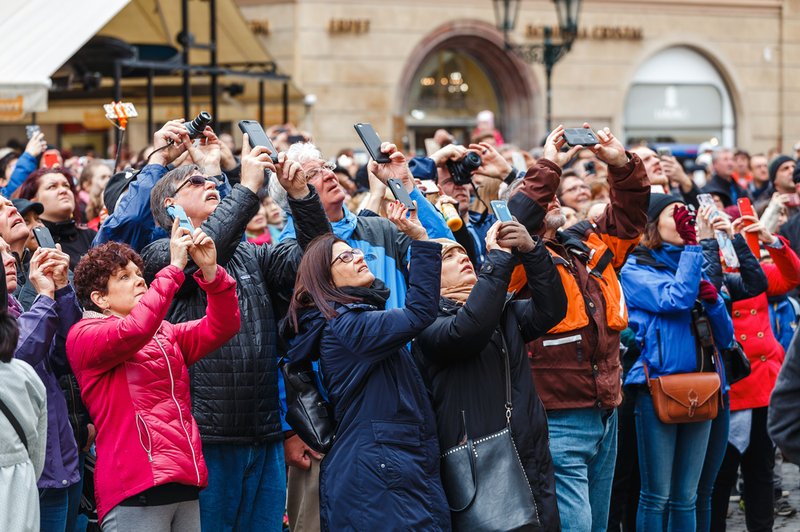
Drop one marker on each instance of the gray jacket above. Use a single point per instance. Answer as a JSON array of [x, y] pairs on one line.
[[784, 405]]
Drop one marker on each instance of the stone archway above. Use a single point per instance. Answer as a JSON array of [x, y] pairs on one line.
[[517, 90]]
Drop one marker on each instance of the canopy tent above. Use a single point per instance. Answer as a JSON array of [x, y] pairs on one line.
[[38, 37]]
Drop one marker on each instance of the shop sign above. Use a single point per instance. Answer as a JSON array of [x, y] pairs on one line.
[[259, 27], [12, 108], [664, 105], [338, 26], [597, 33]]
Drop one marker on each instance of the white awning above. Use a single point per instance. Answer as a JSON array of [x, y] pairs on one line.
[[38, 37]]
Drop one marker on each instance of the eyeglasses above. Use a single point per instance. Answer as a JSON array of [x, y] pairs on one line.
[[348, 256], [317, 170], [196, 180]]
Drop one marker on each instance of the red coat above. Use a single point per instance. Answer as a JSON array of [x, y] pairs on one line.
[[134, 381], [753, 330]]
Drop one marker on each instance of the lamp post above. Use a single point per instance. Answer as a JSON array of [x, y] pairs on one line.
[[547, 53]]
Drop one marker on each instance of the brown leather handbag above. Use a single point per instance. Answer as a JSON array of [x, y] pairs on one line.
[[685, 397]]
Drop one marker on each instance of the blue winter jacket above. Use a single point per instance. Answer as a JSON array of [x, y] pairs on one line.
[[132, 221], [26, 164], [783, 312], [660, 288], [382, 472]]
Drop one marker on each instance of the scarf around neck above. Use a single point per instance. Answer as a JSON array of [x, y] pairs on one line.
[[458, 293]]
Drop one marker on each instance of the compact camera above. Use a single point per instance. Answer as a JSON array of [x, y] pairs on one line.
[[462, 169]]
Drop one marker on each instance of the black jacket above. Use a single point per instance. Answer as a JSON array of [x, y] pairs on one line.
[[235, 389], [75, 241], [791, 230], [748, 282], [461, 357]]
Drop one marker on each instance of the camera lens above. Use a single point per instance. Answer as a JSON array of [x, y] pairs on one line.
[[196, 126], [471, 161]]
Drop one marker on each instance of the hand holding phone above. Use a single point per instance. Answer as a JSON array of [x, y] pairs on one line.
[[372, 142], [258, 137], [176, 211], [746, 209], [31, 130]]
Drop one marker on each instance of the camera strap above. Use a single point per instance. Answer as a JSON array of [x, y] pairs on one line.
[[478, 197], [704, 337]]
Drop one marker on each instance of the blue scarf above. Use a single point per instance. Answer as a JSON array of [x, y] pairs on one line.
[[669, 255], [343, 228]]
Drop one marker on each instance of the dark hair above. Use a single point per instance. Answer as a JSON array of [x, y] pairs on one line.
[[165, 188], [6, 160], [9, 334], [97, 266], [30, 187], [314, 285], [651, 238]]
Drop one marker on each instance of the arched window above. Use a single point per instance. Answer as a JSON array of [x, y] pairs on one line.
[[679, 96]]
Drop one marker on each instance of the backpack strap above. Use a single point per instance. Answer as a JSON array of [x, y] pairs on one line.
[[14, 423]]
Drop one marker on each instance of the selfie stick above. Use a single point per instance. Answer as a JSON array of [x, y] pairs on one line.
[[118, 114]]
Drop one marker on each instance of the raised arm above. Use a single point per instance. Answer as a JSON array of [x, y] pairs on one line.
[[547, 305], [645, 289], [26, 163], [374, 335]]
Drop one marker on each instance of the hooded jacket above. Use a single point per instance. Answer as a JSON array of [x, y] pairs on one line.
[[463, 351], [661, 287], [235, 388], [134, 379], [382, 472]]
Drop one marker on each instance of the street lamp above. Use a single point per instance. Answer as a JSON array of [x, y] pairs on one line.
[[547, 53]]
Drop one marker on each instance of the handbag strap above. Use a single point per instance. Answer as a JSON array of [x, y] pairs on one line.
[[14, 423], [507, 367]]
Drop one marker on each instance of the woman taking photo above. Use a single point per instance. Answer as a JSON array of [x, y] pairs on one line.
[[132, 369], [382, 472], [43, 333], [463, 356], [663, 282], [54, 188]]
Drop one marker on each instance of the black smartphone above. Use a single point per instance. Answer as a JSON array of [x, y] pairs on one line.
[[43, 237], [400, 193], [258, 137], [580, 136], [372, 142]]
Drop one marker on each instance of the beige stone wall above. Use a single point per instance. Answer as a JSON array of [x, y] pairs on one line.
[[355, 77]]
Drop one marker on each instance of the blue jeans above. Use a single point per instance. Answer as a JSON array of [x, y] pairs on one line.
[[583, 443], [246, 488], [715, 453], [53, 509], [74, 493], [670, 462]]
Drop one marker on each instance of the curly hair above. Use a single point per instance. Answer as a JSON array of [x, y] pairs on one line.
[[97, 266], [30, 187]]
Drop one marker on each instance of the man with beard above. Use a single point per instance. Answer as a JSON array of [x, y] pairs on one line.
[[576, 365]]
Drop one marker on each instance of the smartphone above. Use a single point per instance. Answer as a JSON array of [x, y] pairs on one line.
[[400, 193], [746, 209], [258, 138], [580, 136], [664, 152], [31, 130], [500, 209], [372, 142], [428, 186], [50, 158], [176, 211], [43, 237]]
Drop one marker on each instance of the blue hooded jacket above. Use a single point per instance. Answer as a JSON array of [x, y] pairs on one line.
[[660, 288]]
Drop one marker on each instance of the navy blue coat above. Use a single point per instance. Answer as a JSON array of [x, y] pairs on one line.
[[383, 470]]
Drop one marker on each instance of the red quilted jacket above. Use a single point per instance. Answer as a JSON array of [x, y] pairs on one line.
[[753, 330], [134, 381]]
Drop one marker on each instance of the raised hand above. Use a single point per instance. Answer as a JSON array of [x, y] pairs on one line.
[[292, 177], [396, 213], [40, 273], [174, 136], [254, 162], [396, 168], [684, 225], [179, 242], [609, 150], [451, 152], [756, 227], [207, 154], [552, 148], [204, 254], [514, 236], [492, 163], [36, 145], [491, 239]]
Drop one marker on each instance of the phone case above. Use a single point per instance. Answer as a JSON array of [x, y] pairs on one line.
[[43, 237], [258, 137], [580, 136], [500, 209], [176, 211], [400, 193], [372, 142]]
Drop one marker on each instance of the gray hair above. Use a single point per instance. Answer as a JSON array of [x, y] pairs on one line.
[[301, 152], [166, 188], [716, 154]]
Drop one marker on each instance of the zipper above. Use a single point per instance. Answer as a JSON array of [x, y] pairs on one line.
[[149, 447], [658, 339], [177, 405]]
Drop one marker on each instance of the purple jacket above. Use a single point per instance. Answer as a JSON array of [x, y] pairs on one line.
[[42, 337]]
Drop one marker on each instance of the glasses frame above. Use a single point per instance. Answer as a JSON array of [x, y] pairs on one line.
[[189, 180], [352, 252]]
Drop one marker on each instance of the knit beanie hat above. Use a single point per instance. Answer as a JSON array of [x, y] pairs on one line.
[[659, 202], [776, 164]]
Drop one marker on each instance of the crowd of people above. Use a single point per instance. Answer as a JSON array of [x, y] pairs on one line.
[[608, 358]]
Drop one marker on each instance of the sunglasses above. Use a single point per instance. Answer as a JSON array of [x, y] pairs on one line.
[[348, 256], [196, 180]]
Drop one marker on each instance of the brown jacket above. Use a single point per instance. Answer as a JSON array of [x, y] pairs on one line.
[[577, 364]]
